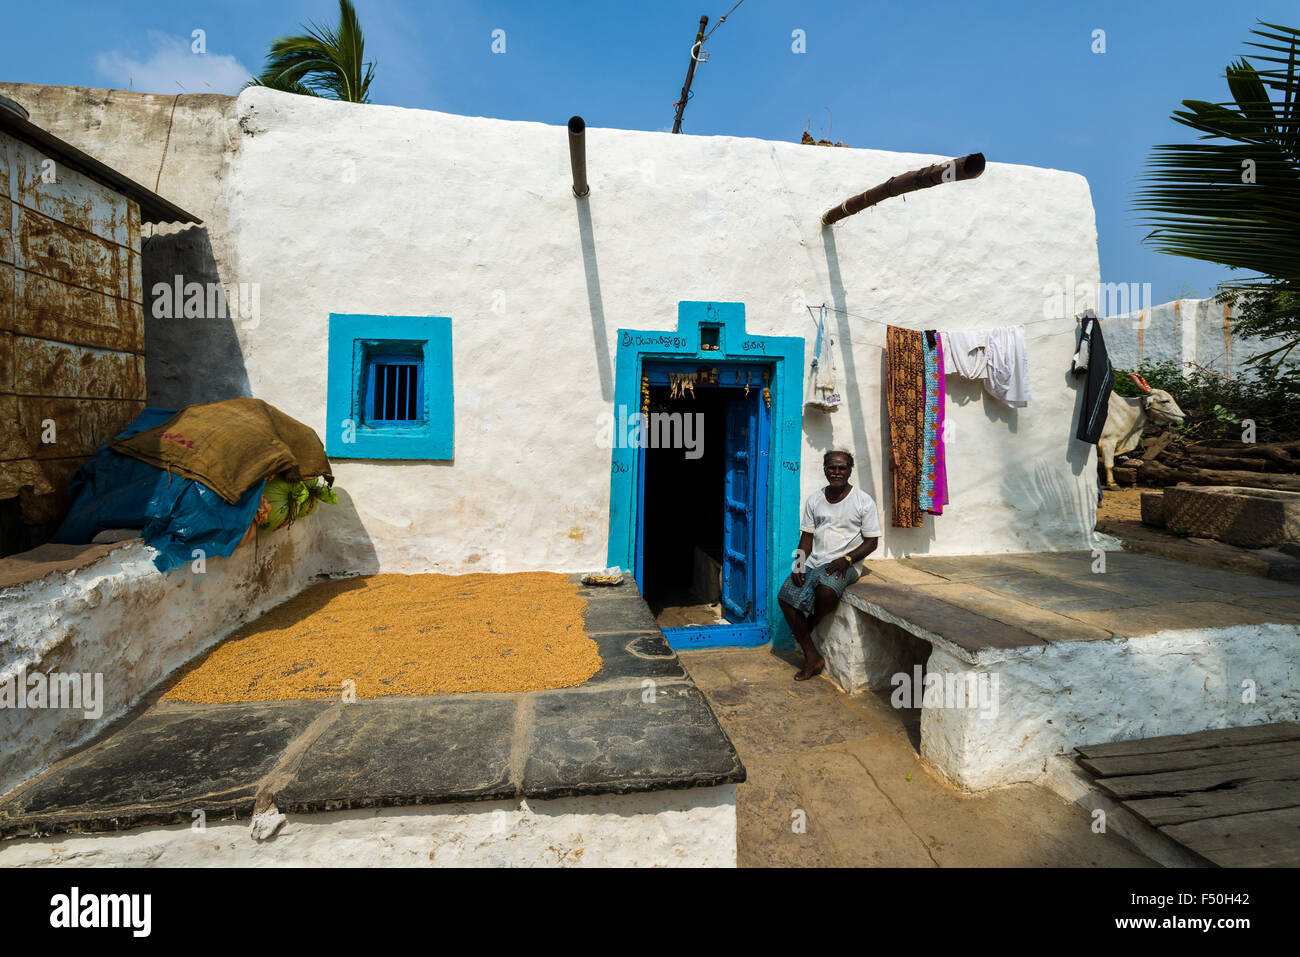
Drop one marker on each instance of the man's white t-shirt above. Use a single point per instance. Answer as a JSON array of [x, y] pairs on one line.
[[840, 527]]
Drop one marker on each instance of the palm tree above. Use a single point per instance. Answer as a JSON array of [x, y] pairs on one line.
[[322, 62], [1236, 200]]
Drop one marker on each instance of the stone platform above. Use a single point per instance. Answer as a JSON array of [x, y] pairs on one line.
[[1016, 658], [638, 726]]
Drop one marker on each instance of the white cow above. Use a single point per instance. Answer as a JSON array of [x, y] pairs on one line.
[[1125, 419]]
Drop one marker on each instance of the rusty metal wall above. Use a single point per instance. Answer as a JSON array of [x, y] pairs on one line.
[[71, 324]]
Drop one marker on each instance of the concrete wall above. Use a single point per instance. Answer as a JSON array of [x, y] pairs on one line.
[[333, 207], [1088, 692], [1187, 331], [180, 147], [124, 620], [71, 324]]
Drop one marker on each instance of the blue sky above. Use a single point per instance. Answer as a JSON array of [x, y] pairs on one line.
[[1019, 82]]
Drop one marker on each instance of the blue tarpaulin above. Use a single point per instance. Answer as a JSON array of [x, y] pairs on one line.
[[177, 514]]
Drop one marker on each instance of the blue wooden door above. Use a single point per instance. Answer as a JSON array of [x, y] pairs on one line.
[[738, 512]]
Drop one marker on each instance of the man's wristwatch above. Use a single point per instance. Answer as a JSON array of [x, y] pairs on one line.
[[849, 559]]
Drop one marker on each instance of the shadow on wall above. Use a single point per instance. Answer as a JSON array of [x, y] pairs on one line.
[[1039, 488], [195, 359], [344, 545], [852, 382], [594, 302]]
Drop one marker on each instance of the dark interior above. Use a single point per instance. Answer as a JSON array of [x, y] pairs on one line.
[[683, 499]]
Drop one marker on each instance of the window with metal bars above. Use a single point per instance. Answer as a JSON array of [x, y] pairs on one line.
[[394, 390]]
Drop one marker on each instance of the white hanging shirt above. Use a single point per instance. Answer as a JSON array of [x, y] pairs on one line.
[[965, 354], [998, 356], [1007, 377], [838, 527]]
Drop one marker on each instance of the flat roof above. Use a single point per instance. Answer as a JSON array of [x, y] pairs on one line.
[[153, 208]]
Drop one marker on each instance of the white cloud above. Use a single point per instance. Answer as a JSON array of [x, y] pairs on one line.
[[172, 67]]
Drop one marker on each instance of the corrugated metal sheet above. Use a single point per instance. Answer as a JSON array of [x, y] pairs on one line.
[[71, 324]]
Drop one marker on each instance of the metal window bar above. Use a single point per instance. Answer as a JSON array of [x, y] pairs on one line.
[[394, 390]]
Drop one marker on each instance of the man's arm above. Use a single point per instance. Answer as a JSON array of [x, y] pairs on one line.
[[862, 551], [805, 549]]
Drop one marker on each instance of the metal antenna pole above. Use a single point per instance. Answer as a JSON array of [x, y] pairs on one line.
[[690, 75]]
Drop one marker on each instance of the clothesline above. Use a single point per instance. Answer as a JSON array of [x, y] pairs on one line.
[[879, 322]]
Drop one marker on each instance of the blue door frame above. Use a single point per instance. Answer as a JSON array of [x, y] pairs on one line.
[[722, 325], [751, 628]]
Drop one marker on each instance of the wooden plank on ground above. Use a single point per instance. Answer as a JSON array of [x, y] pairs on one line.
[[1200, 805], [1261, 839], [1252, 734], [1202, 779], [1183, 760]]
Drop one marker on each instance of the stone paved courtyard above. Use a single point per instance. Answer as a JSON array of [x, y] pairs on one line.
[[850, 764]]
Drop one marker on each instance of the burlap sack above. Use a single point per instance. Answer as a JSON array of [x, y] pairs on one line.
[[231, 445]]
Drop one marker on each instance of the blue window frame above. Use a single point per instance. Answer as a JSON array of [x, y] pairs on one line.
[[389, 389], [394, 390]]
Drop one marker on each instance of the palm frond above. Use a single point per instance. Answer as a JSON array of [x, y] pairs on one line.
[[323, 61], [1233, 197]]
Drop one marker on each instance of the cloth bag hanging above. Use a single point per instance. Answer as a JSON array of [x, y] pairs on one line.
[[822, 393]]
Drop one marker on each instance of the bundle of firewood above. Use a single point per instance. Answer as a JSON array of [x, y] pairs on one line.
[[1160, 461]]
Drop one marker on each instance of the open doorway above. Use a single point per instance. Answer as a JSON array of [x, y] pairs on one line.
[[702, 529], [682, 549]]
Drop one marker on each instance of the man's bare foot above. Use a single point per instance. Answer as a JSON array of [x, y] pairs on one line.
[[811, 669]]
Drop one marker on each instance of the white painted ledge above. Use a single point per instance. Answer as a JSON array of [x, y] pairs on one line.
[[122, 618], [1054, 698], [694, 827]]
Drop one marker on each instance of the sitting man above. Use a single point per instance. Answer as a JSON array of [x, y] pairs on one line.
[[839, 527]]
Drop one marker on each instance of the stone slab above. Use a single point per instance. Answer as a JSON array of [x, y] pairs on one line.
[[899, 572], [400, 751], [963, 567], [765, 834], [1042, 622], [742, 699], [1183, 616], [161, 767], [620, 741], [627, 613], [636, 654], [1153, 509], [1058, 593], [46, 559], [925, 615], [868, 831], [1246, 517]]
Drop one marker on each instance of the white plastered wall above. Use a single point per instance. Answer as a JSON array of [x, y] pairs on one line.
[[1053, 699], [378, 210], [1191, 332]]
